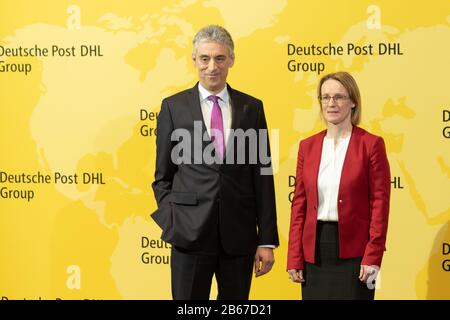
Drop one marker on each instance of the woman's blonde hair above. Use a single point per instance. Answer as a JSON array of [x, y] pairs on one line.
[[349, 83]]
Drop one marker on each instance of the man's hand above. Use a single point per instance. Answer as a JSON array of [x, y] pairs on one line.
[[264, 260]]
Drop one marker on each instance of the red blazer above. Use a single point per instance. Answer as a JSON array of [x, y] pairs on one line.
[[363, 200]]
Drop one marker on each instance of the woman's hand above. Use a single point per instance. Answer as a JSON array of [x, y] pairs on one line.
[[368, 271], [296, 275]]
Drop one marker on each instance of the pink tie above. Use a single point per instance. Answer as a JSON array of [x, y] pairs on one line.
[[217, 135]]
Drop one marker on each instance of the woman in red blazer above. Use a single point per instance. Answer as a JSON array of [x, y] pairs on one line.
[[340, 208]]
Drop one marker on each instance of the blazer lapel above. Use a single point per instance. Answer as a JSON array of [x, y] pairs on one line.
[[352, 149], [316, 156]]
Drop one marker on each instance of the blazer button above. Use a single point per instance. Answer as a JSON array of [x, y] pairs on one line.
[[340, 200]]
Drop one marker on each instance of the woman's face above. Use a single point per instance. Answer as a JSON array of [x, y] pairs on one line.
[[335, 103]]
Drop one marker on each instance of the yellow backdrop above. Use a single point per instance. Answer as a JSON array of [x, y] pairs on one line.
[[81, 82]]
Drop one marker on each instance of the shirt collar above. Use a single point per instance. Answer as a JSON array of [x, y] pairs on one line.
[[204, 94]]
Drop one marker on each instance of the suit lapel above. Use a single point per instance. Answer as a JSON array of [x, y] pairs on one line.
[[195, 108], [237, 106], [237, 114]]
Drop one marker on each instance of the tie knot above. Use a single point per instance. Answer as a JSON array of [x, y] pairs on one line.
[[214, 99]]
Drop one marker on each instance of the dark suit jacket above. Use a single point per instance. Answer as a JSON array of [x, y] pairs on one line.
[[363, 200], [201, 204]]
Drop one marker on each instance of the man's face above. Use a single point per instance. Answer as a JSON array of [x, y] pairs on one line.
[[212, 61]]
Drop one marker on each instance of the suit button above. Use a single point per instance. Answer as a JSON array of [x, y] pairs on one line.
[[315, 207], [340, 200]]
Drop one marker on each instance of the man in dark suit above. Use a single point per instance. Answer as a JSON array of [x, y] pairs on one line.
[[213, 185]]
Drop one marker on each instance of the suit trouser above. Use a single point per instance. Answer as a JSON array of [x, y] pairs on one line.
[[192, 275]]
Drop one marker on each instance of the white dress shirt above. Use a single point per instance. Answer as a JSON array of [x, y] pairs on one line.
[[225, 107], [330, 170]]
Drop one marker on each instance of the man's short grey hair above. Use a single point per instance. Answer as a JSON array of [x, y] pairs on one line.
[[213, 33]]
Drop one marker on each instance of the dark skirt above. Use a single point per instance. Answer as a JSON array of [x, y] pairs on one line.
[[331, 277]]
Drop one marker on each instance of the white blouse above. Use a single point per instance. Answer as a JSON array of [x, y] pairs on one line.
[[330, 170]]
